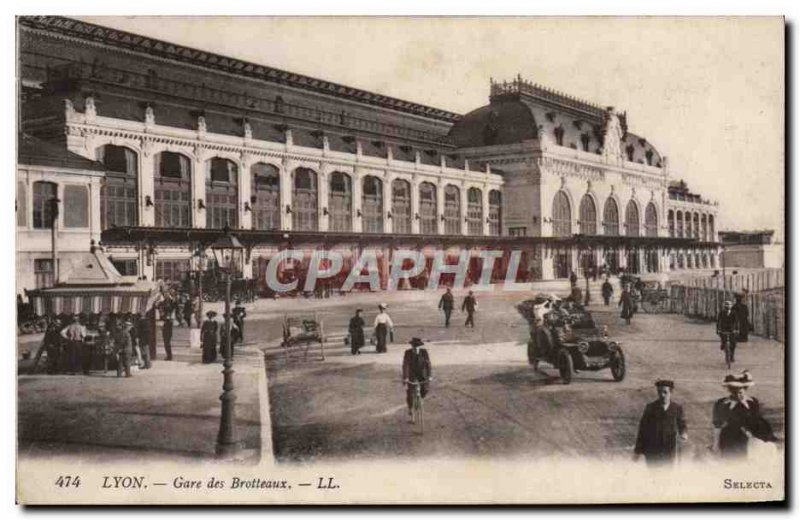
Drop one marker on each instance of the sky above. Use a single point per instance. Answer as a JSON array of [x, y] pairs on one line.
[[707, 92]]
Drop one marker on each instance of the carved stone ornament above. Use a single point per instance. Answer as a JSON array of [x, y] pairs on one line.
[[248, 130], [612, 139], [90, 110], [588, 186], [201, 125], [69, 110], [149, 116]]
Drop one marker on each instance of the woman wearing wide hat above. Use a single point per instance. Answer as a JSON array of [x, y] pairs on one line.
[[383, 325], [737, 418]]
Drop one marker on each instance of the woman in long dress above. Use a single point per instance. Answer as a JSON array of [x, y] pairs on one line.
[[737, 418], [383, 325], [208, 334], [626, 302], [356, 330]]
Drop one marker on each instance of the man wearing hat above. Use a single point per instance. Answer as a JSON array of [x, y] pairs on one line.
[[123, 346], [416, 369], [356, 331], [737, 417], [446, 304], [661, 424], [470, 304], [728, 328]]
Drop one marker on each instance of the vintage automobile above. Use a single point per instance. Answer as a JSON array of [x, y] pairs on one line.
[[567, 338]]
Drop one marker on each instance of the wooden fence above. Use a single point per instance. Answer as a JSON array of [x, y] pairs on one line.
[[752, 282], [766, 307]]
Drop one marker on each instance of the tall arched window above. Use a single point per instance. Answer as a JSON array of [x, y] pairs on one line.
[[704, 228], [495, 212], [474, 211], [173, 190], [651, 220], [401, 206], [632, 219], [679, 223], [265, 196], [588, 216], [696, 227], [452, 210], [671, 221], [372, 205], [340, 202], [119, 193], [427, 208], [712, 237], [562, 215], [43, 194], [611, 217], [222, 194], [304, 200]]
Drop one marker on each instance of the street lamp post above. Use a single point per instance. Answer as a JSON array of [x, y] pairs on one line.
[[227, 251]]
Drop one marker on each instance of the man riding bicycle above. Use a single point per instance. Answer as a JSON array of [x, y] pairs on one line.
[[728, 328], [416, 369]]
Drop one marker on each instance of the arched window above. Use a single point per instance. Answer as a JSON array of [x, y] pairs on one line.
[[43, 194], [704, 228], [679, 223], [119, 193], [76, 206], [304, 200], [452, 210], [265, 196], [651, 220], [372, 205], [495, 212], [671, 221], [173, 190], [696, 233], [401, 206], [632, 219], [712, 237], [340, 202], [427, 208], [562, 215], [611, 217], [474, 211], [222, 194], [588, 216]]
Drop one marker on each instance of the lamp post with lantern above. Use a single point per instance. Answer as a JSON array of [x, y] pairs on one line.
[[228, 253]]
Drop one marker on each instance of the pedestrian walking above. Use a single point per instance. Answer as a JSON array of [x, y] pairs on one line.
[[728, 328], [239, 314], [607, 290], [188, 311], [416, 369], [743, 319], [143, 337], [166, 333], [383, 327], [74, 333], [123, 347], [626, 302], [208, 333], [53, 346], [737, 419], [446, 305], [470, 305], [152, 330], [573, 279], [356, 331], [660, 427]]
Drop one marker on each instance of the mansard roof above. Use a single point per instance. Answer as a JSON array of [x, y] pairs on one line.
[[141, 44]]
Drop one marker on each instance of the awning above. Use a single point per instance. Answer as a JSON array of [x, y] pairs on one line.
[[137, 298]]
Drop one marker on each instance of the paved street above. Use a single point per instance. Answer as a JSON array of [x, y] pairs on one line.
[[486, 400]]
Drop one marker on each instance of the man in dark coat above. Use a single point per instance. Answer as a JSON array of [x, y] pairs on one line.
[[166, 332], [573, 279], [661, 425], [626, 302], [728, 328], [356, 331], [469, 305], [446, 304], [743, 318], [187, 311], [607, 290], [143, 336], [123, 346], [416, 369], [208, 335]]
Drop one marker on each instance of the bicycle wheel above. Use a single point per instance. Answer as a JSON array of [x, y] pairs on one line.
[[421, 416]]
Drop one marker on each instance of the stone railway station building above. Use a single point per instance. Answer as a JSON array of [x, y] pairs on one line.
[[152, 148]]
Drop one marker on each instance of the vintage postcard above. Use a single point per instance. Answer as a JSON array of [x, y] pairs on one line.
[[387, 260]]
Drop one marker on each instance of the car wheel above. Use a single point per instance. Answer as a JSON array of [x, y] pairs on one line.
[[618, 365], [565, 367]]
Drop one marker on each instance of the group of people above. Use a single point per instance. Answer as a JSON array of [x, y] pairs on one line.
[[383, 330], [736, 419], [213, 334], [468, 305], [72, 343]]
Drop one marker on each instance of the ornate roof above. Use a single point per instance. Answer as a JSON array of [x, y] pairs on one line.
[[132, 42]]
